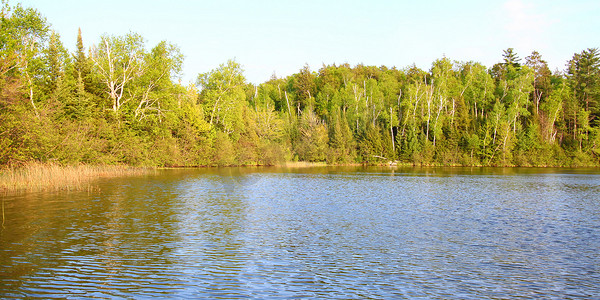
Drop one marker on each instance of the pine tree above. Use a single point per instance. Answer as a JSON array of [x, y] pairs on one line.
[[55, 62], [584, 70], [80, 59], [511, 58], [541, 84]]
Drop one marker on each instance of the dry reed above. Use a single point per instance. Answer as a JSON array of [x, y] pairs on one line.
[[52, 177]]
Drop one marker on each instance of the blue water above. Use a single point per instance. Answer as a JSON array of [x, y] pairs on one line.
[[317, 233]]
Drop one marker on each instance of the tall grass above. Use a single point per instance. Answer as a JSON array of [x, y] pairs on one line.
[[52, 177]]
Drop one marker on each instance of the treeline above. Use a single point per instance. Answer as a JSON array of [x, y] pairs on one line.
[[119, 102]]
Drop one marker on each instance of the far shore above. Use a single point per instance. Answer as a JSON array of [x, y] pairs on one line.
[[54, 177]]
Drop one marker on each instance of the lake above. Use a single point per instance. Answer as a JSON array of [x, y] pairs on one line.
[[344, 232]]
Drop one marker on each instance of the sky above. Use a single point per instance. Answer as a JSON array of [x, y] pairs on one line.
[[281, 37]]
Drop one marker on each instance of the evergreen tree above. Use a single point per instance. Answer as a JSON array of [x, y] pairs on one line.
[[584, 73], [542, 82], [511, 58]]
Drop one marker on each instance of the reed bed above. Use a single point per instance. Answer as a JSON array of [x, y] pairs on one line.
[[53, 177]]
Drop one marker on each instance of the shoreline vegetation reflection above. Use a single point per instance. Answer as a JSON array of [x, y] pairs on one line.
[[278, 232], [52, 177]]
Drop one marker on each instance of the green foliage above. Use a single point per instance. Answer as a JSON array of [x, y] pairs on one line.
[[223, 150], [313, 138], [223, 96], [511, 59], [123, 104], [341, 142], [584, 75], [370, 146]]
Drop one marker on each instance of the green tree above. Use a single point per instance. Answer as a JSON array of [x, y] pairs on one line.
[[313, 138], [511, 58], [341, 141], [541, 84], [446, 86], [22, 39], [56, 60], [79, 101], [371, 146], [304, 86], [152, 91], [478, 90], [82, 67], [223, 96], [268, 123], [118, 61], [552, 110], [584, 74]]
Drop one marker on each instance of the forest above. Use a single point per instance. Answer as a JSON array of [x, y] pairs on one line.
[[120, 101]]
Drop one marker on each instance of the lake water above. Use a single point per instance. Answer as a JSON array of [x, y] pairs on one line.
[[354, 232]]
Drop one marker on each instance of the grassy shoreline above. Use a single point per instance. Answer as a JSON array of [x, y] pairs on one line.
[[53, 177]]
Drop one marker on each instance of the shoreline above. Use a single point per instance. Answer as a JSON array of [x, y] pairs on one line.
[[53, 177], [40, 177], [306, 164]]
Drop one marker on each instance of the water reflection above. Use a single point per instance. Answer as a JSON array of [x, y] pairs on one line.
[[320, 232], [86, 240], [211, 217]]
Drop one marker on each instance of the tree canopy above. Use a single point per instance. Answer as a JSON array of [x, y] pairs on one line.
[[118, 101]]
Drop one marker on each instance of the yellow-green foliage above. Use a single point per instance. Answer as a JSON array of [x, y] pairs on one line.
[[129, 108]]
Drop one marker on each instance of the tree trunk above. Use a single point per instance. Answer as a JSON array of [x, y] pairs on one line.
[[31, 96], [288, 105], [392, 130]]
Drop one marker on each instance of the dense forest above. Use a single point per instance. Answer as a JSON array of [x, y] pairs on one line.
[[118, 101]]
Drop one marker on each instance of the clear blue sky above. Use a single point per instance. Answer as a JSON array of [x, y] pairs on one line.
[[280, 37]]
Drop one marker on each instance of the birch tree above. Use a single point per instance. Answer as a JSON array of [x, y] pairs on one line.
[[552, 110], [152, 88], [223, 95], [23, 35], [119, 60]]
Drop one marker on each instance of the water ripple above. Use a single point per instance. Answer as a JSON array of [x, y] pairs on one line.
[[342, 233]]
